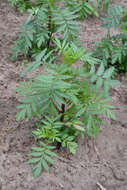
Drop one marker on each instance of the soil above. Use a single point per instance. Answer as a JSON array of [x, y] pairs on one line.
[[87, 170]]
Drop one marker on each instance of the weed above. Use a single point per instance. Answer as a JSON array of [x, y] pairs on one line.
[[83, 8], [67, 99], [36, 35], [113, 49], [21, 5]]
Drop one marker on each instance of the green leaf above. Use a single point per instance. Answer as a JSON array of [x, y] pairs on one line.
[[51, 153], [78, 127], [74, 99], [105, 100], [52, 162], [92, 129], [106, 86], [35, 154], [45, 165], [34, 160], [93, 78], [37, 169], [37, 149], [108, 73], [99, 83], [111, 115], [80, 112], [21, 115], [100, 70], [114, 82], [72, 147]]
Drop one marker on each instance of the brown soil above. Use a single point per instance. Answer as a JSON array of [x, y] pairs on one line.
[[80, 172]]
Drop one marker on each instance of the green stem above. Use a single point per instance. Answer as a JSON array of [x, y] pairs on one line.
[[50, 28]]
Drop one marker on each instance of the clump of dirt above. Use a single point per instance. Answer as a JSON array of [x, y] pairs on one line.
[[80, 172]]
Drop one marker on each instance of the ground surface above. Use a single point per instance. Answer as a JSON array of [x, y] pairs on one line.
[[80, 172]]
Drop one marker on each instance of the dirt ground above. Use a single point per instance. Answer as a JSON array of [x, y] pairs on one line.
[[80, 172]]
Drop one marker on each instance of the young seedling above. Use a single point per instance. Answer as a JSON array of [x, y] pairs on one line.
[[68, 100]]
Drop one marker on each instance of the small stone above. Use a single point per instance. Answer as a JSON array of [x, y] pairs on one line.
[[124, 125]]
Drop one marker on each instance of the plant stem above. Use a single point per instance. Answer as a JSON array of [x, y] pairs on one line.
[[62, 120], [62, 111]]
